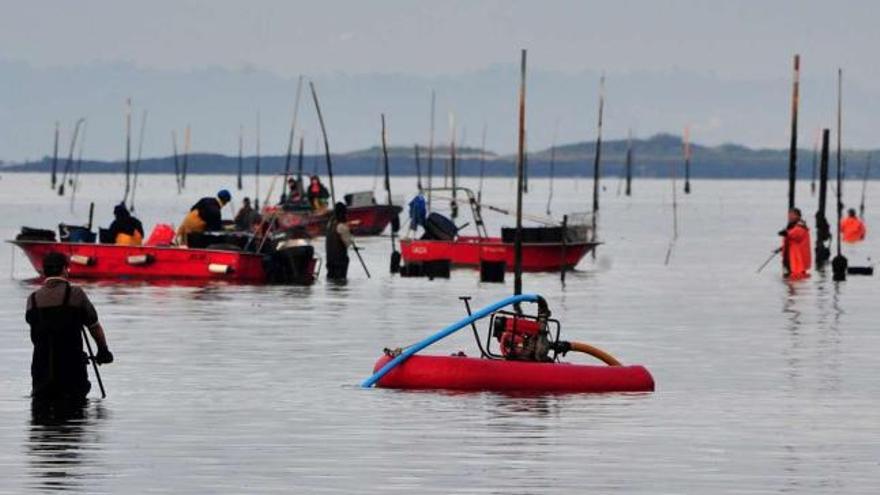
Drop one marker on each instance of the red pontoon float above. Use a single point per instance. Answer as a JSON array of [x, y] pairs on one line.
[[544, 249], [528, 360], [168, 263]]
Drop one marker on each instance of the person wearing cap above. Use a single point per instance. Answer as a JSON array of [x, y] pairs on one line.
[[57, 313], [125, 230], [204, 216], [338, 240]]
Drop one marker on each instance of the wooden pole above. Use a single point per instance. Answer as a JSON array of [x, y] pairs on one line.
[[257, 167], [238, 183], [176, 164], [186, 148], [68, 166], [292, 129], [865, 186], [553, 169], [431, 149], [823, 230], [55, 156], [299, 164], [839, 264], [75, 186], [629, 165], [596, 161], [418, 167], [815, 159], [137, 161], [127, 149], [482, 163], [792, 151], [687, 160], [453, 206], [517, 250], [395, 255], [326, 143]]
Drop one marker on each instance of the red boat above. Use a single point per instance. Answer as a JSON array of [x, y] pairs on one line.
[[527, 359], [364, 216], [109, 261], [552, 247]]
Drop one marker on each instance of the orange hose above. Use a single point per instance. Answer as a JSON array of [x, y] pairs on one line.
[[596, 353]]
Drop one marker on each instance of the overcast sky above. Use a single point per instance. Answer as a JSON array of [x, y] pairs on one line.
[[732, 41]]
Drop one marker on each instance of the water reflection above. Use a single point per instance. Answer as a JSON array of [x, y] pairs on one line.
[[62, 443]]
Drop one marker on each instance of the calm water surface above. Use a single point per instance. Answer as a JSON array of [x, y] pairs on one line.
[[763, 386]]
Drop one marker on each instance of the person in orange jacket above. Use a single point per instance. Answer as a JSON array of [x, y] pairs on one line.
[[851, 228], [796, 253]]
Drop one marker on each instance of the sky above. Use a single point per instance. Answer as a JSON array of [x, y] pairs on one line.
[[732, 43]]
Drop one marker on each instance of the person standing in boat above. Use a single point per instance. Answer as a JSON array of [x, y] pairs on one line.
[[852, 228], [125, 230], [57, 313], [338, 240], [247, 216], [796, 254], [318, 194], [294, 194], [205, 215]]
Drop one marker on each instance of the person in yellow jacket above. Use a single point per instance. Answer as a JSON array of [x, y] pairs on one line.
[[125, 230], [204, 216]]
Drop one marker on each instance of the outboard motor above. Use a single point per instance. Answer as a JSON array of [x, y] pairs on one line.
[[290, 262]]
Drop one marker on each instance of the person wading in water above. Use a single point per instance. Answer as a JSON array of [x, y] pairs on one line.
[[337, 243], [57, 313], [796, 255]]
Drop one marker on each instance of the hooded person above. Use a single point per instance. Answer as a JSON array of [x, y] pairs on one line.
[[317, 194], [204, 216], [126, 230], [338, 240], [797, 256], [56, 314], [852, 229], [247, 216]]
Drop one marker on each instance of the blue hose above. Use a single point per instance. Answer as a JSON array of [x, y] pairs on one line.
[[482, 313]]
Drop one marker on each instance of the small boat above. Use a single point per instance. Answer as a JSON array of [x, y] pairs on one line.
[[291, 262], [546, 248], [528, 359], [365, 217]]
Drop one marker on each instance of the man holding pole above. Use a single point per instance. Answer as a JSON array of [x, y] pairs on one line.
[[57, 313], [796, 255]]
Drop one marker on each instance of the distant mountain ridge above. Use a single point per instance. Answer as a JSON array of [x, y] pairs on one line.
[[653, 157]]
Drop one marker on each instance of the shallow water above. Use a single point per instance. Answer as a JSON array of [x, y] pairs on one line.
[[762, 386]]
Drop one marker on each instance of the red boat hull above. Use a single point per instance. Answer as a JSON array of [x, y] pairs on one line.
[[475, 374], [469, 251], [363, 220], [109, 261]]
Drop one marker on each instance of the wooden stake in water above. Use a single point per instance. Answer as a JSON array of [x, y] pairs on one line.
[[552, 168], [137, 161], [482, 163], [127, 149], [453, 205], [687, 160], [292, 129], [395, 255], [176, 162], [431, 149], [629, 165], [520, 164], [674, 213], [839, 264], [238, 183], [55, 156], [792, 152], [822, 250], [815, 158], [597, 160], [418, 167], [299, 164], [326, 142], [75, 186], [257, 167], [68, 167], [187, 142], [865, 186]]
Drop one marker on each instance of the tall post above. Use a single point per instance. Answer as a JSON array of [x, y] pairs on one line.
[[839, 264], [815, 159], [299, 163], [257, 167], [137, 160], [687, 160], [68, 167], [418, 167], [598, 156], [453, 206], [865, 186], [187, 142], [326, 142], [239, 184], [792, 151], [629, 163], [292, 129], [520, 163], [823, 230], [431, 149], [55, 156], [395, 256], [176, 162], [482, 163], [127, 149]]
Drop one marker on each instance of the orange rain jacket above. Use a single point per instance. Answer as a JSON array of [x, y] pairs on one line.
[[853, 230], [797, 256]]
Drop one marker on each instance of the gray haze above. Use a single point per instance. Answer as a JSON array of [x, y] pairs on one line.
[[723, 68]]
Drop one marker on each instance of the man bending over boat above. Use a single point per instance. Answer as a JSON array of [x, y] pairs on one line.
[[852, 228], [57, 313], [125, 230], [204, 216]]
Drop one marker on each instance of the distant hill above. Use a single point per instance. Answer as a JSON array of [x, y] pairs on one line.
[[653, 157]]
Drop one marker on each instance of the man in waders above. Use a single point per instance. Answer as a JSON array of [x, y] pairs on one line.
[[57, 313], [337, 243], [796, 254]]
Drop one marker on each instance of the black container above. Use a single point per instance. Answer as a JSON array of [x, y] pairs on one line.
[[32, 234], [437, 268], [492, 271]]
